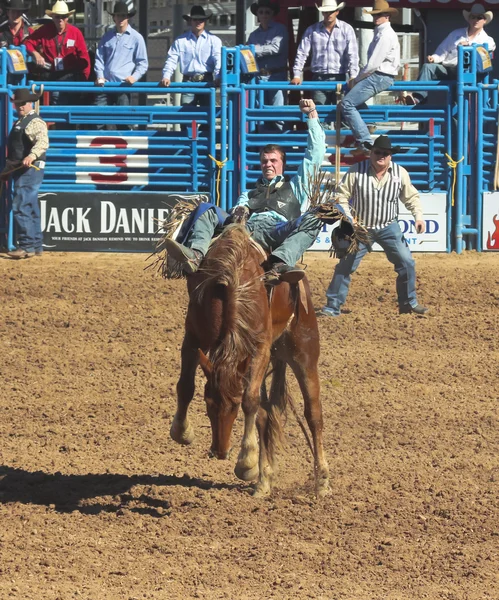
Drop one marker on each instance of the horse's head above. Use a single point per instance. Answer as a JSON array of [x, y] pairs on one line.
[[222, 404]]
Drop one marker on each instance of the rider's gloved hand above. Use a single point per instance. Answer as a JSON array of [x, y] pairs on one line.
[[239, 214]]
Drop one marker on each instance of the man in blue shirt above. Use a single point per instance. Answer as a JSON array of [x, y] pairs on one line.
[[121, 57], [271, 50], [275, 208], [199, 53]]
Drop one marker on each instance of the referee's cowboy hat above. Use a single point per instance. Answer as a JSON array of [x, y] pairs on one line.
[[274, 6], [383, 142], [16, 5], [60, 9], [198, 12], [23, 95], [330, 6], [381, 7], [478, 9], [122, 8]]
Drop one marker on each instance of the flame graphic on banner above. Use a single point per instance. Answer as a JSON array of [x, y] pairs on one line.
[[493, 238]]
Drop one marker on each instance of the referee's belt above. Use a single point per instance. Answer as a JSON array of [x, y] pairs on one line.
[[265, 72], [198, 77], [384, 74]]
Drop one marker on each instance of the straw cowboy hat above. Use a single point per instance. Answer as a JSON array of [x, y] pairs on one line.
[[197, 12], [478, 9], [60, 9], [24, 95], [122, 8], [16, 5], [265, 4], [383, 142], [381, 7], [330, 6]]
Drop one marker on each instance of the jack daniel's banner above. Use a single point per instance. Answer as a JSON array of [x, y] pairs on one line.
[[112, 222]]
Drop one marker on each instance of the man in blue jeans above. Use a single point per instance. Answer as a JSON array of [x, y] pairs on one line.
[[26, 154], [274, 209], [383, 62], [372, 189]]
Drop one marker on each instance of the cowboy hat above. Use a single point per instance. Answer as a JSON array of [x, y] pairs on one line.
[[381, 7], [60, 9], [122, 8], [383, 142], [478, 9], [265, 4], [16, 5], [23, 95], [330, 6], [197, 12]]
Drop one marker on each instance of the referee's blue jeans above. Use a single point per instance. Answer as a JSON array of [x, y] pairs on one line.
[[392, 240]]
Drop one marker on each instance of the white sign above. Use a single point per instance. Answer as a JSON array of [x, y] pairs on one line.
[[433, 240], [490, 223]]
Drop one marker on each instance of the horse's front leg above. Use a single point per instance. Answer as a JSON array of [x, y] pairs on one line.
[[247, 461], [181, 430]]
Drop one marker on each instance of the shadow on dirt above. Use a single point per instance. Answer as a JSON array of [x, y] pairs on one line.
[[111, 492]]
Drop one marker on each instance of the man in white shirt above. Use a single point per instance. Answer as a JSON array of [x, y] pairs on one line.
[[383, 62], [443, 63], [199, 53]]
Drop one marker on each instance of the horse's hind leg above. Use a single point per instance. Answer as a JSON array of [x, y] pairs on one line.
[[181, 430], [305, 370]]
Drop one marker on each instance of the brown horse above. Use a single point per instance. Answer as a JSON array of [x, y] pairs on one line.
[[243, 329]]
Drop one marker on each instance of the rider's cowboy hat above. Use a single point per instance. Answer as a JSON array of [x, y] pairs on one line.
[[23, 95], [383, 143], [478, 9], [330, 6], [122, 8], [16, 5], [274, 6], [198, 12], [60, 9], [381, 7]]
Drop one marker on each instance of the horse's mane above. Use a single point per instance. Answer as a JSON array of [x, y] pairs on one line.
[[232, 266]]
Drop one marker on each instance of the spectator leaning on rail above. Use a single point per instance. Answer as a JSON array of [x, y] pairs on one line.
[[271, 48], [121, 57], [373, 188], [15, 30], [59, 51], [383, 62], [26, 153], [335, 54], [199, 53], [443, 63], [274, 209]]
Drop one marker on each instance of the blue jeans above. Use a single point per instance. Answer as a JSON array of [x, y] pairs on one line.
[[26, 209], [287, 240], [365, 89], [273, 98], [122, 99], [434, 72], [321, 97], [391, 239]]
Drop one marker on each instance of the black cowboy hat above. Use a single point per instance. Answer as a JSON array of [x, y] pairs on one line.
[[16, 5], [197, 12], [383, 143], [122, 8], [274, 6], [23, 95]]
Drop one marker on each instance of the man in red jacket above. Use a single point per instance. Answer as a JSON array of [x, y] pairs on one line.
[[59, 51]]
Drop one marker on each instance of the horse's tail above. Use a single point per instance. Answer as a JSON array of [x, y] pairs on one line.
[[275, 405], [239, 326]]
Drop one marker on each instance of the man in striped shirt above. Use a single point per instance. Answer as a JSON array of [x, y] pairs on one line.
[[373, 189], [335, 54]]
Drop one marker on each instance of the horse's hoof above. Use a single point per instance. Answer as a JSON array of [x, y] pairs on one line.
[[261, 491], [246, 474], [182, 435], [323, 489]]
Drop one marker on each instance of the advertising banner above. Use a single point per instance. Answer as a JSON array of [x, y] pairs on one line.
[[490, 224], [106, 222], [435, 238]]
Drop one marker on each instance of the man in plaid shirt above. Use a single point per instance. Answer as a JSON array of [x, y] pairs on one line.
[[335, 54]]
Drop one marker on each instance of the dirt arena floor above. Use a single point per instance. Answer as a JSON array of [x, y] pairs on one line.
[[97, 502]]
